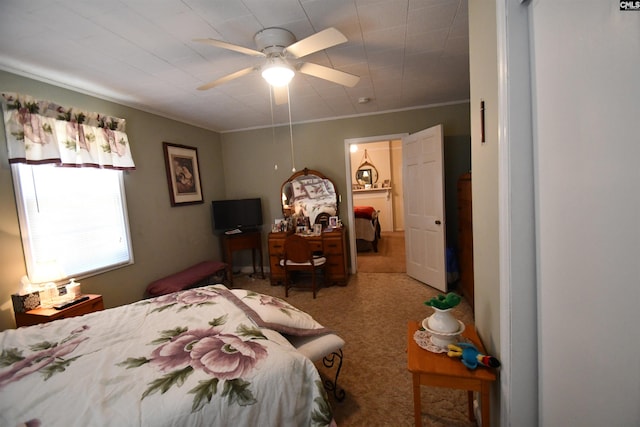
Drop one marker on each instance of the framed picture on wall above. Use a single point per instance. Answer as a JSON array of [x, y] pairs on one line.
[[183, 174]]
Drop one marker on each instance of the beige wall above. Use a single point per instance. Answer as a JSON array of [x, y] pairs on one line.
[[393, 160], [379, 155], [250, 156], [484, 160], [235, 164], [165, 239], [397, 183]]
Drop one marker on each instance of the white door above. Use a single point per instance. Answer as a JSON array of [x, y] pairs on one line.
[[422, 159]]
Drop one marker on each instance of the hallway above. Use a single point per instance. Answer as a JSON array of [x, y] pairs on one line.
[[390, 257]]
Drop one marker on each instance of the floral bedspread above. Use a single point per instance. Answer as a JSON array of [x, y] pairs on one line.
[[207, 356]]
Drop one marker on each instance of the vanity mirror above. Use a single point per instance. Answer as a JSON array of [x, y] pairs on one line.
[[309, 200], [308, 193], [366, 174]]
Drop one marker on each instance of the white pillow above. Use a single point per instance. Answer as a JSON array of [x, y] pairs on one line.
[[316, 191], [273, 313], [298, 190]]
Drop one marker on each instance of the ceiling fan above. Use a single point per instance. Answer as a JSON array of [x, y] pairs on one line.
[[282, 52]]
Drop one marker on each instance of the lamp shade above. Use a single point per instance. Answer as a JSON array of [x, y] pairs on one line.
[[278, 74], [46, 271]]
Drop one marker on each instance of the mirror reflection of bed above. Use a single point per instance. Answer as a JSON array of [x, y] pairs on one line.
[[309, 194]]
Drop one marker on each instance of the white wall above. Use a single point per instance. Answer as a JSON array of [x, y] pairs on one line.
[[518, 287], [587, 148]]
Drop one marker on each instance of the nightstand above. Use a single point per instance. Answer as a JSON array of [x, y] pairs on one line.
[[44, 315], [440, 370]]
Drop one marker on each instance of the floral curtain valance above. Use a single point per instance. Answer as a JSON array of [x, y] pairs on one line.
[[44, 132]]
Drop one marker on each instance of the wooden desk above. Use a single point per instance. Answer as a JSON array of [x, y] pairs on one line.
[[440, 370], [333, 246], [241, 241], [44, 315]]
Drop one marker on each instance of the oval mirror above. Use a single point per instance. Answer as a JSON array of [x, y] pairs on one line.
[[309, 194], [367, 174]]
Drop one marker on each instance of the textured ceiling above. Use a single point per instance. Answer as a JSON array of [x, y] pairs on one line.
[[141, 53]]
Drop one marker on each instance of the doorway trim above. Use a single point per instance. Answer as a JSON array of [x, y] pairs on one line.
[[351, 219]]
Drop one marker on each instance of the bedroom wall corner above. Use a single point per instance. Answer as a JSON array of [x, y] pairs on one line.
[[165, 239]]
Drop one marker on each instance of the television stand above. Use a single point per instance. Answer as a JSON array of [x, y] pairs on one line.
[[247, 239], [234, 231]]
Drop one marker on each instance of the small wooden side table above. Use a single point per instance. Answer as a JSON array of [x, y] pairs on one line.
[[440, 370], [44, 315], [240, 241]]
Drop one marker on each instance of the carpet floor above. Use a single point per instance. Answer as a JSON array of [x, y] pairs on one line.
[[390, 257], [371, 315]]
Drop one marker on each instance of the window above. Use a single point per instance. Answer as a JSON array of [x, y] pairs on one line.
[[73, 221]]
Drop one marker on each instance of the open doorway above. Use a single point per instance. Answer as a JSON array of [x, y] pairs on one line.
[[375, 187], [457, 161]]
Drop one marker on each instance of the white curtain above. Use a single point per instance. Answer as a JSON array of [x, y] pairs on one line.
[[44, 132]]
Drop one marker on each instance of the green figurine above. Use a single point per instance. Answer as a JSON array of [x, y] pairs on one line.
[[444, 302]]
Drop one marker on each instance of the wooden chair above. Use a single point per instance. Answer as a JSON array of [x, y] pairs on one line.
[[298, 256]]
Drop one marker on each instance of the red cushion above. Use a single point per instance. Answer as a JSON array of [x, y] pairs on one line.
[[185, 278], [364, 211]]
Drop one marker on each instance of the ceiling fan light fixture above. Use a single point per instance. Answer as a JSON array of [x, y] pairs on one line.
[[278, 46], [278, 74]]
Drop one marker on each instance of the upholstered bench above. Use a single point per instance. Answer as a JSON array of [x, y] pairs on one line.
[[327, 348], [191, 277]]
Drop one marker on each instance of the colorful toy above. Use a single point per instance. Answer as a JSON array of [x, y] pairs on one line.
[[444, 302], [471, 357]]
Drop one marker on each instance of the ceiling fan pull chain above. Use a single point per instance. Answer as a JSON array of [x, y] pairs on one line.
[[293, 160], [273, 130]]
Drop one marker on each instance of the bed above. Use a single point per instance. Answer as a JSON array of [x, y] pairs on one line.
[[204, 356], [367, 226]]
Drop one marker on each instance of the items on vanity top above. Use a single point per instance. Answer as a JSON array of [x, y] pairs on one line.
[[333, 246]]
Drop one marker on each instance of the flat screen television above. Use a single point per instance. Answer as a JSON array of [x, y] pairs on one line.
[[243, 214]]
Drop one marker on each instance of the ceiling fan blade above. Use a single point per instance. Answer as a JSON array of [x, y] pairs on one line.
[[227, 78], [229, 46], [280, 94], [319, 41], [336, 76]]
